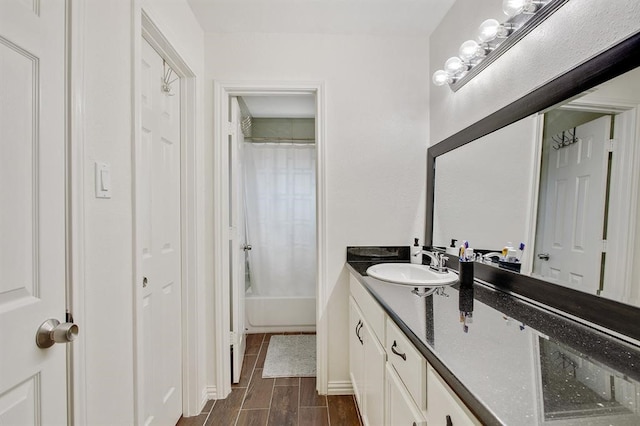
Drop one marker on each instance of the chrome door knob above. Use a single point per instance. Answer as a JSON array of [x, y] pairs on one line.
[[247, 247], [543, 256], [51, 331]]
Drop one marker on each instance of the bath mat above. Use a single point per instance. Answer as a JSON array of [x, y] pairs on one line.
[[291, 356]]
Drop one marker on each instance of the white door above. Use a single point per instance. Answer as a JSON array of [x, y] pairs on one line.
[[32, 210], [571, 249], [159, 218], [238, 242]]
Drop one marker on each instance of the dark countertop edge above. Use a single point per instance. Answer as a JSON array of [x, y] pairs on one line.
[[477, 408]]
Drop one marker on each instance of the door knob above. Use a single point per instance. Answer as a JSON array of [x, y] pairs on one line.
[[543, 256], [51, 331], [247, 247]]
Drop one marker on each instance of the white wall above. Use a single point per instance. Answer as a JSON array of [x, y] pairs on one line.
[[377, 92], [106, 326], [576, 32]]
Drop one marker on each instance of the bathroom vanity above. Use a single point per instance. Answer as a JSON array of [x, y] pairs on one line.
[[478, 355]]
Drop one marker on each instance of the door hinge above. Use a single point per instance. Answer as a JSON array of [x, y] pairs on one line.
[[231, 129], [232, 338], [604, 246], [611, 143]]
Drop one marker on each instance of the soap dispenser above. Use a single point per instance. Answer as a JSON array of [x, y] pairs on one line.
[[416, 252], [452, 249]]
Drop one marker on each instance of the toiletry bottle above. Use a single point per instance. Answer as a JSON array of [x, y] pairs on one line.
[[505, 250], [452, 249], [416, 252]]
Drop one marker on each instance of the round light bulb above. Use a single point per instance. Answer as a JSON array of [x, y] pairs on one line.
[[440, 78], [488, 30], [491, 29], [512, 8], [470, 50], [454, 65]]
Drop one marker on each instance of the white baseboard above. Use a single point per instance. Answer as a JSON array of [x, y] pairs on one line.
[[342, 387], [210, 392]]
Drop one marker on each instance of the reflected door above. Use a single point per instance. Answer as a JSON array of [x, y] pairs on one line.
[[571, 249], [32, 214]]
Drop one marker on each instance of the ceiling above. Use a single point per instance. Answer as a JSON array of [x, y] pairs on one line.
[[379, 17], [291, 106]]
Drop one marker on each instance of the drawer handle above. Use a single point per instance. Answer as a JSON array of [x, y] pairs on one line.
[[358, 328], [449, 422], [393, 349]]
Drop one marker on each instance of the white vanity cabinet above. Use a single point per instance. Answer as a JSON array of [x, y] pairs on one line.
[[392, 381], [366, 364]]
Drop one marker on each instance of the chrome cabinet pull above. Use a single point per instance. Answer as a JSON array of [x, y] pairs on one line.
[[400, 354], [543, 256]]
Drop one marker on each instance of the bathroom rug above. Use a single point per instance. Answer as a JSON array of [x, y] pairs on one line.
[[291, 356]]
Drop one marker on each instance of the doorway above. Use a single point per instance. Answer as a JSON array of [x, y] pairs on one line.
[[230, 300], [278, 165]]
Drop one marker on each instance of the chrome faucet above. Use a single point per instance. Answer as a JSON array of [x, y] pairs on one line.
[[438, 260]]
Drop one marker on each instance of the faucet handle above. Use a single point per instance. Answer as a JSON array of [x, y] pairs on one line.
[[443, 260]]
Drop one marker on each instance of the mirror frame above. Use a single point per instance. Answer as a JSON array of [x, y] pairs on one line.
[[610, 315]]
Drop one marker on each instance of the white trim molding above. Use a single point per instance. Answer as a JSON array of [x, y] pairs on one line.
[[223, 90], [340, 387], [75, 220], [210, 392]]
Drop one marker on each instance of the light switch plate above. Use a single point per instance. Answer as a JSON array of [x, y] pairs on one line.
[[103, 180]]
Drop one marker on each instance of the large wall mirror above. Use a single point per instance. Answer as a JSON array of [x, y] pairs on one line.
[[558, 170]]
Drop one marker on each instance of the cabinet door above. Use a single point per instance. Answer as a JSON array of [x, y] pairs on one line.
[[375, 359], [356, 352], [400, 408], [443, 406]]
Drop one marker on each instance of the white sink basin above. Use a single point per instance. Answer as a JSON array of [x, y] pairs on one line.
[[410, 274]]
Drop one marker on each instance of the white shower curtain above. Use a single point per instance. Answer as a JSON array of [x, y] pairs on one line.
[[280, 201]]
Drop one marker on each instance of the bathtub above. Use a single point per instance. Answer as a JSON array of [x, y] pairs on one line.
[[279, 314]]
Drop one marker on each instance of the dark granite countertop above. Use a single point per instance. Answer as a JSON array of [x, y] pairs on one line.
[[510, 361]]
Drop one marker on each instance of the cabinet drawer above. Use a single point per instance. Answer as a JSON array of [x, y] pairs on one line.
[[408, 362], [371, 310], [443, 405]]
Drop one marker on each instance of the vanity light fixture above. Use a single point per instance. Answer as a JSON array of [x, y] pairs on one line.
[[493, 39]]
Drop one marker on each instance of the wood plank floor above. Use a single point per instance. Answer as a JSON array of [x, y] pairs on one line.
[[255, 401]]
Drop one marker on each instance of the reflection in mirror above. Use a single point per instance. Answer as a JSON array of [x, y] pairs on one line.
[[544, 369], [576, 387], [555, 182], [483, 189]]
